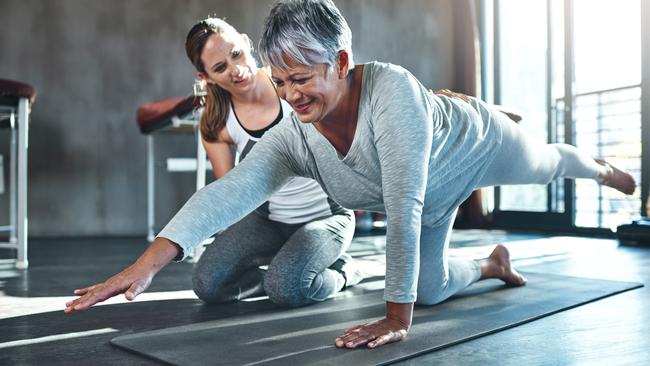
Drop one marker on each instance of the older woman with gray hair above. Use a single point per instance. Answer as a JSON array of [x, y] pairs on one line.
[[376, 139]]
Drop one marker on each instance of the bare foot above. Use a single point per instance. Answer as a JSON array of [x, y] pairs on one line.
[[498, 265], [616, 178]]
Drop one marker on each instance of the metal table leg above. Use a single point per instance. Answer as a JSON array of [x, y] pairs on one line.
[[23, 144], [13, 180], [151, 205]]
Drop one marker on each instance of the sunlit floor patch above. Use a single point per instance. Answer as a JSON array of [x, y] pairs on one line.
[[13, 306], [56, 337]]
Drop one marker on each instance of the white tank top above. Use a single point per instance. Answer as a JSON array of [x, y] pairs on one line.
[[301, 199]]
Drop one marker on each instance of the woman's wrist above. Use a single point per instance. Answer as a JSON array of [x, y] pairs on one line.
[[158, 255], [402, 313]]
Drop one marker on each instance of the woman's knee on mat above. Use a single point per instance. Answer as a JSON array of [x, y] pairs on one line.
[[290, 289], [206, 280], [432, 294], [207, 288], [430, 299], [285, 296]]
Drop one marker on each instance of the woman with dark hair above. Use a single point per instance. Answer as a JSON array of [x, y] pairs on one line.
[[298, 231]]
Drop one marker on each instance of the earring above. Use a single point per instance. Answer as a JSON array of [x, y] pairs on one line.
[[200, 88]]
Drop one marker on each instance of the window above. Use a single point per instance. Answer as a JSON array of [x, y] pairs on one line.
[[538, 52]]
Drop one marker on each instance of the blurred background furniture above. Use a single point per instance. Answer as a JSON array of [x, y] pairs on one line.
[[16, 99], [173, 115]]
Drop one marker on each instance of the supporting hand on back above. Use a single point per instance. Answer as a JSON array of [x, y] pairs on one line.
[[451, 94], [515, 116]]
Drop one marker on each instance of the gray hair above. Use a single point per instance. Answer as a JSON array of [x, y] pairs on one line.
[[307, 31]]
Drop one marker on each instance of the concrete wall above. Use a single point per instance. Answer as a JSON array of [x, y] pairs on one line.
[[95, 62]]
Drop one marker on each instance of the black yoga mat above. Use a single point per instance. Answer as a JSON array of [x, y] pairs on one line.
[[305, 336]]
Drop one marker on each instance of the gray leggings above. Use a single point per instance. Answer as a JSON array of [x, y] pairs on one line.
[[297, 255], [519, 160]]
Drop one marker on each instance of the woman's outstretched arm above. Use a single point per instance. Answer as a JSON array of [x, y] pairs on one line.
[[209, 210]]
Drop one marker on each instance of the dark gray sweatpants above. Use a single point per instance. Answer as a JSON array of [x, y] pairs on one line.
[[297, 255]]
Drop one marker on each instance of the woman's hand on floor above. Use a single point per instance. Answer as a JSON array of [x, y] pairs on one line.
[[373, 334], [393, 328], [132, 281]]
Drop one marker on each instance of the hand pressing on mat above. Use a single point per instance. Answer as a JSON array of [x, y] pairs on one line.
[[393, 328], [132, 281]]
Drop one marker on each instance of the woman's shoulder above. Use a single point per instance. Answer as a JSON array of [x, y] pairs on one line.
[[385, 69], [385, 77], [381, 80]]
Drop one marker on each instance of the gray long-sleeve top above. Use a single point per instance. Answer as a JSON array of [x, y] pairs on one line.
[[415, 156]]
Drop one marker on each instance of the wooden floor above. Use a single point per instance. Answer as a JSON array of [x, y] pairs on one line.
[[35, 331]]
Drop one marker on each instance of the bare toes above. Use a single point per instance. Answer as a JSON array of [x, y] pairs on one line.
[[500, 259]]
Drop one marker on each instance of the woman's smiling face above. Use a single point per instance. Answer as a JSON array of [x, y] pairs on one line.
[[311, 90], [228, 62]]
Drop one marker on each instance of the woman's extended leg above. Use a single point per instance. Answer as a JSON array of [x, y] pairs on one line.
[[523, 160], [228, 269], [299, 273]]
